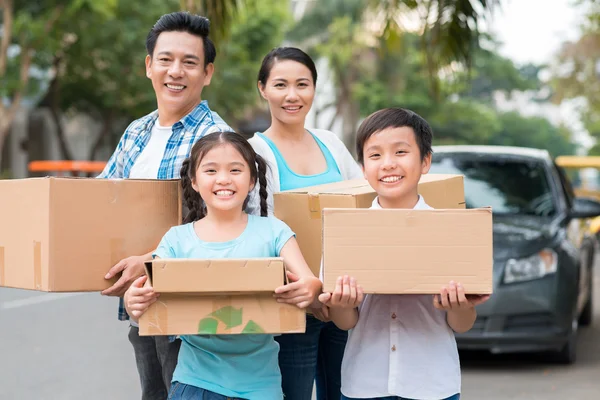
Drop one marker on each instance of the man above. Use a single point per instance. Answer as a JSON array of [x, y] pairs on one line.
[[179, 64]]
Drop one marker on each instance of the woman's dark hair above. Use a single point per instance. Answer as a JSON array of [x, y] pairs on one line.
[[183, 22], [285, 53], [258, 171]]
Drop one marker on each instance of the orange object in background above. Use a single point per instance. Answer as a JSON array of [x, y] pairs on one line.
[[61, 167]]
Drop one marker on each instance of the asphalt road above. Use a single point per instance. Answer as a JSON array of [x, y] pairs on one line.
[[71, 346]]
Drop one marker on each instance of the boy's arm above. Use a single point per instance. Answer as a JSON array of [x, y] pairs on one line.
[[344, 318], [459, 307]]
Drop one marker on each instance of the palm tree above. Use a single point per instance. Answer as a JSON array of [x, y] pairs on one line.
[[219, 12]]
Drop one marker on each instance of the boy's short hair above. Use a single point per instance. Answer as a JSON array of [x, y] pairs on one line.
[[394, 118]]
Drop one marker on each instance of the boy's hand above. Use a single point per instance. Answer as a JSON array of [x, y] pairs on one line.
[[301, 292], [453, 298], [132, 268], [138, 298], [321, 313], [347, 294]]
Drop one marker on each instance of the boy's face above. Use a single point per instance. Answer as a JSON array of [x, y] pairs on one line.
[[393, 166]]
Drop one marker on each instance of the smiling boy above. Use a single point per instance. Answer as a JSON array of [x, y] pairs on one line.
[[399, 346]]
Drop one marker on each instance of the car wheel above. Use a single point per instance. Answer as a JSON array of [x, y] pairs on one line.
[[587, 315], [568, 354]]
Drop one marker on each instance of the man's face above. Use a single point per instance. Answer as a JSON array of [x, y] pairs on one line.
[[177, 71]]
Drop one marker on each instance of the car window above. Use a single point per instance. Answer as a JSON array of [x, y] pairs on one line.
[[509, 186], [566, 185]]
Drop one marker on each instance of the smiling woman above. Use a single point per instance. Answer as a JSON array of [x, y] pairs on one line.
[[299, 157]]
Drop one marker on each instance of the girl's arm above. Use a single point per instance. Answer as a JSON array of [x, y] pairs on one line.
[[303, 287]]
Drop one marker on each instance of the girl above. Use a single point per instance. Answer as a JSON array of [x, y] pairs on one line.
[[221, 171], [297, 158]]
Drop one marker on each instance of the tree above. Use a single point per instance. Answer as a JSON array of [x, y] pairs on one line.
[[33, 33]]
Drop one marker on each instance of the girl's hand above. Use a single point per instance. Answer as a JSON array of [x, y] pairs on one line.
[[321, 313], [453, 298], [138, 298], [347, 294], [301, 292]]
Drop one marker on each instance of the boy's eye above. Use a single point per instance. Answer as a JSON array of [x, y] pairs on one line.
[[401, 152], [374, 155]]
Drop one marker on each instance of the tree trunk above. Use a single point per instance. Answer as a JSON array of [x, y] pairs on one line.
[[107, 123], [3, 135]]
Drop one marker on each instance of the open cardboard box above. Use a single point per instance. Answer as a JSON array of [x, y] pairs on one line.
[[224, 296], [64, 234]]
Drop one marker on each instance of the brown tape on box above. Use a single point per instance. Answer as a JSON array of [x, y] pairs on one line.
[[314, 206], [37, 265], [1, 266]]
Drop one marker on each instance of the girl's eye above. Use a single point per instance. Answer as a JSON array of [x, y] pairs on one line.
[[210, 171], [236, 170]]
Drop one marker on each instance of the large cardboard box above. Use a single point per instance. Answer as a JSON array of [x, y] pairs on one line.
[[394, 251], [64, 234], [301, 208], [218, 297]]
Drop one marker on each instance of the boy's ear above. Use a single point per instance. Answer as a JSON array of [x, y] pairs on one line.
[[426, 164], [362, 167]]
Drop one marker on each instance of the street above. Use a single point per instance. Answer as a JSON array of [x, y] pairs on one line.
[[71, 346]]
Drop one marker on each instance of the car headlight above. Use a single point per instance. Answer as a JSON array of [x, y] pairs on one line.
[[534, 267]]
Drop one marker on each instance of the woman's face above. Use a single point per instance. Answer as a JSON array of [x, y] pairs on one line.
[[290, 91]]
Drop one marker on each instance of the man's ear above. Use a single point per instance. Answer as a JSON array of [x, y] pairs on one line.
[[209, 70], [148, 65]]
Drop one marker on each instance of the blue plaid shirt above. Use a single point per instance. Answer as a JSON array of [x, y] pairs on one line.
[[201, 121]]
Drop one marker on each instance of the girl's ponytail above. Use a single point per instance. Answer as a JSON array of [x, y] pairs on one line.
[[191, 198], [262, 181]]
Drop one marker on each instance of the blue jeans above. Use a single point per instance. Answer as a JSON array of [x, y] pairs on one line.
[[315, 354], [181, 391], [455, 397]]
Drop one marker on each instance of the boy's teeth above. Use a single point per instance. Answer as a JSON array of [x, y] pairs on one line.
[[224, 193], [174, 87], [390, 179]]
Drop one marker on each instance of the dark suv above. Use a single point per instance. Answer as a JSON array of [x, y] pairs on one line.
[[543, 255]]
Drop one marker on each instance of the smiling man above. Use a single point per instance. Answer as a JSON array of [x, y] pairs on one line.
[[179, 64]]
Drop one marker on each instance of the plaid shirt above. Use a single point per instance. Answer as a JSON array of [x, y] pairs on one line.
[[186, 132]]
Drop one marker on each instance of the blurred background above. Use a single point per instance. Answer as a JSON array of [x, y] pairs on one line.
[[501, 72]]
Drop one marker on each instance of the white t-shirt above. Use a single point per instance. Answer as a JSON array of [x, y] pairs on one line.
[[401, 346], [148, 162]]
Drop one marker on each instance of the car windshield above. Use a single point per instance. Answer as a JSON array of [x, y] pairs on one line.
[[509, 186]]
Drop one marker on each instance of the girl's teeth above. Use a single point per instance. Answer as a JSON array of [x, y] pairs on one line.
[[224, 193]]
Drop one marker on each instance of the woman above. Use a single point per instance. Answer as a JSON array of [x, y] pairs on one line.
[[299, 157]]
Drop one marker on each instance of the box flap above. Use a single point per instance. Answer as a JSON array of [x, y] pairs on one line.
[[216, 276]]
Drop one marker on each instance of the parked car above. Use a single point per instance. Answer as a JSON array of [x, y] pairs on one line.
[[543, 253]]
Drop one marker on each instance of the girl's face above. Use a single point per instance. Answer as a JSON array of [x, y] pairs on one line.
[[223, 178], [289, 90]]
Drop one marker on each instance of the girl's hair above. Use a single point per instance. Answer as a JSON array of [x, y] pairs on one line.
[[258, 171], [285, 53]]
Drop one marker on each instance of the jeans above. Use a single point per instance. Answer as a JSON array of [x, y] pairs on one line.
[[156, 358], [317, 353], [455, 397], [181, 391]]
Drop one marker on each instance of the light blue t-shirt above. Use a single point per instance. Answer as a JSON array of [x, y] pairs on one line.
[[289, 180], [244, 365]]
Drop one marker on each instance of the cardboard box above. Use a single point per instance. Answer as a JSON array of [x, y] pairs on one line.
[[395, 251], [64, 234], [301, 208], [192, 308]]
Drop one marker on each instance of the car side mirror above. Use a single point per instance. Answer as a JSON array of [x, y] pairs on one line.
[[584, 208]]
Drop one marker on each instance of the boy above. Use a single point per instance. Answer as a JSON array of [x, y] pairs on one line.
[[399, 346]]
